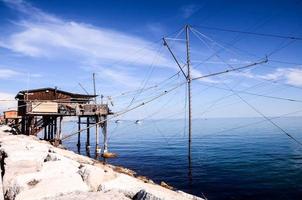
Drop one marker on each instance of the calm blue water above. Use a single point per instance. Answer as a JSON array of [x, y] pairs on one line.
[[252, 162]]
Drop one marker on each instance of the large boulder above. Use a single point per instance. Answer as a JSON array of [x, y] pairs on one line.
[[93, 176], [143, 195], [110, 195], [55, 178]]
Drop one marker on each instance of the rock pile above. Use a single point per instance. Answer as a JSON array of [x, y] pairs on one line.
[[32, 169]]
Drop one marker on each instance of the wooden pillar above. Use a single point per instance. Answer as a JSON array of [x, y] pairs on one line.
[[60, 129], [97, 148], [104, 129], [55, 127], [30, 125], [26, 126], [23, 125], [51, 129], [45, 128], [48, 129], [88, 134], [79, 133]]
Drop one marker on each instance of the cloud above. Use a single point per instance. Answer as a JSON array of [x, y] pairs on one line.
[[30, 11], [189, 10], [7, 101], [292, 76], [8, 73], [48, 36], [196, 73], [41, 35], [156, 29]]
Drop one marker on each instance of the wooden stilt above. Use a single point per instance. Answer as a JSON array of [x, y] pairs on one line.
[[55, 128], [79, 133], [23, 125], [97, 148], [45, 128], [48, 129], [51, 129], [60, 130], [88, 134], [104, 129]]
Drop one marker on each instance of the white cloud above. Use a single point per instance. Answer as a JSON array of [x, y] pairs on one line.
[[292, 76], [48, 36], [7, 101], [189, 10], [42, 35], [196, 73], [7, 73]]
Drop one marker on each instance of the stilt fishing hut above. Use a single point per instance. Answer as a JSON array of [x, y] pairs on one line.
[[11, 117], [44, 109]]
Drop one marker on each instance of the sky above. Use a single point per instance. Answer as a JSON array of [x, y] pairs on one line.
[[60, 43]]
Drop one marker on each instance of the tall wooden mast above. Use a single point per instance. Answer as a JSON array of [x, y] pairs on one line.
[[189, 87], [189, 80]]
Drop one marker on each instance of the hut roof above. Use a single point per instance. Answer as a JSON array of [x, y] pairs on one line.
[[72, 95]]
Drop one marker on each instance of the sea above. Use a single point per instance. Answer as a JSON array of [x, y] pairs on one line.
[[231, 158]]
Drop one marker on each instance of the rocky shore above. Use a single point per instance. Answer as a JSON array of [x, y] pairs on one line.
[[32, 169]]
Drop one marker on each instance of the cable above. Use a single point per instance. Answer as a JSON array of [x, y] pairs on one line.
[[231, 70], [255, 94], [276, 125], [252, 33], [253, 123], [269, 120], [126, 111]]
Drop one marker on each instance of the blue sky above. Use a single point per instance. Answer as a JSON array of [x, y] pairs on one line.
[[61, 43]]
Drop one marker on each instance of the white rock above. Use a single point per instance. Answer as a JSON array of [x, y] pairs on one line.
[[55, 178], [94, 176], [111, 195]]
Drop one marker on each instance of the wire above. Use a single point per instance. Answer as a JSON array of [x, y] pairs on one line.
[[252, 33], [126, 111], [254, 108], [231, 70], [255, 94], [269, 120], [253, 123]]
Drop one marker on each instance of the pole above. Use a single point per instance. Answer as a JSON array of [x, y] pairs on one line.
[[79, 134], [97, 148], [60, 129], [94, 89], [189, 87], [105, 135], [88, 134]]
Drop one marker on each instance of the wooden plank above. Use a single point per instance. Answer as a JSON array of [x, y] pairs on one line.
[[44, 107]]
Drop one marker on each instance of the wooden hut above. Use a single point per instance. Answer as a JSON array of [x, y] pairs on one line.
[[11, 116], [42, 108]]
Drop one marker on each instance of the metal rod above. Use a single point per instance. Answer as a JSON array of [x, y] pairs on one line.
[[83, 88], [174, 57], [189, 87]]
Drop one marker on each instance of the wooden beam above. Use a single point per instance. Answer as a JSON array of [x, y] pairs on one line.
[[97, 148], [104, 129], [88, 134], [79, 133]]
